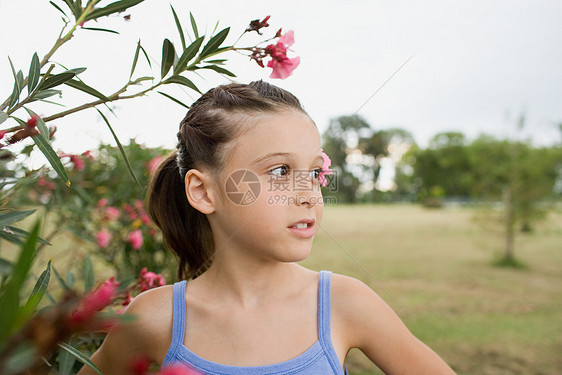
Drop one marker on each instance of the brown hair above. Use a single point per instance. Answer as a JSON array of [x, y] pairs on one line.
[[210, 124]]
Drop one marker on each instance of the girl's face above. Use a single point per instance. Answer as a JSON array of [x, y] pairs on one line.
[[269, 184]]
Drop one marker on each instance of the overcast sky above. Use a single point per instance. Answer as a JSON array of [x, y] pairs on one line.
[[476, 65]]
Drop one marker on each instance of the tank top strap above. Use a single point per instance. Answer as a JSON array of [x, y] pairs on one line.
[[178, 320], [324, 331]]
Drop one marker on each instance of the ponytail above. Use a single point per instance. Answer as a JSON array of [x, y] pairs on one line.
[[186, 231]]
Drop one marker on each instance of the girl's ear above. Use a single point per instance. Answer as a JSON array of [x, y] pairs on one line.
[[199, 191]]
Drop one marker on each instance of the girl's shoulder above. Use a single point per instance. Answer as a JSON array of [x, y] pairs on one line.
[[151, 315]]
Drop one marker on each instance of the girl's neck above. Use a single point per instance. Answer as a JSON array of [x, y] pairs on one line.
[[248, 284]]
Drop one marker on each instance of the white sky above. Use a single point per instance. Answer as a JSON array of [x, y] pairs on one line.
[[477, 65]]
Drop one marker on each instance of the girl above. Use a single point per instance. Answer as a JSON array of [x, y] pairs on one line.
[[239, 204]]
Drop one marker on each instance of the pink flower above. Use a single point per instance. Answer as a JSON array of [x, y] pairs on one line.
[[325, 169], [78, 162], [139, 366], [2, 133], [149, 280], [151, 166], [94, 302], [288, 38], [112, 213], [32, 122], [145, 219], [102, 202], [103, 237], [256, 25], [282, 65], [135, 239]]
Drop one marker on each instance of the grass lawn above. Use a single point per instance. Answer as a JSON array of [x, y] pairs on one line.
[[433, 267]]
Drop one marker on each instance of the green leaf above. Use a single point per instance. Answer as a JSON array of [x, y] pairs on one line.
[[141, 79], [39, 289], [66, 362], [178, 25], [9, 295], [218, 69], [76, 70], [72, 8], [19, 360], [182, 81], [214, 43], [146, 56], [88, 274], [14, 235], [194, 25], [57, 79], [70, 279], [34, 73], [44, 94], [120, 146], [80, 356], [62, 283], [216, 62], [5, 267], [168, 54], [187, 55], [79, 85], [135, 59], [100, 29], [12, 217], [116, 7], [173, 99], [59, 9], [50, 154], [43, 129], [3, 116]]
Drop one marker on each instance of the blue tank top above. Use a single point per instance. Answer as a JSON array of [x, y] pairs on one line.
[[319, 359]]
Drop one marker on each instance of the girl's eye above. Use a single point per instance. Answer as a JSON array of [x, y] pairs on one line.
[[316, 173], [281, 171]]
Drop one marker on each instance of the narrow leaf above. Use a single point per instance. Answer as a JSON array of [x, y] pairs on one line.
[[168, 54], [72, 8], [135, 59], [146, 56], [79, 85], [34, 73], [182, 81], [187, 55], [116, 7], [59, 9], [214, 43], [61, 281], [14, 232], [39, 289], [12, 217], [173, 99], [120, 146], [3, 116], [57, 79], [178, 25], [194, 25], [76, 70], [44, 94], [43, 129], [100, 29], [80, 356], [5, 267], [50, 154], [70, 279], [66, 362], [219, 69], [88, 274]]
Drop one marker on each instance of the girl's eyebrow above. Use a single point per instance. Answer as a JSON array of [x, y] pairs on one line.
[[271, 155]]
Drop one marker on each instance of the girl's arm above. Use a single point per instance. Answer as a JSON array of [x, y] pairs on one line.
[[361, 319], [147, 336]]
